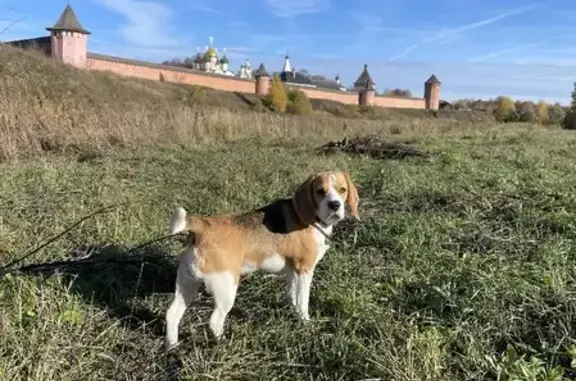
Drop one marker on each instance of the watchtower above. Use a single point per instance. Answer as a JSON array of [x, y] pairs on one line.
[[69, 39]]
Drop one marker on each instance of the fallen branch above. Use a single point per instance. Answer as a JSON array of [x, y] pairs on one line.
[[373, 147]]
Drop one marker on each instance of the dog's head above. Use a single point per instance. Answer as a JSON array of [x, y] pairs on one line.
[[323, 197]]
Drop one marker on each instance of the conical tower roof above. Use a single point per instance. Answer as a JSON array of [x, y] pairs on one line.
[[261, 72], [364, 80], [433, 79], [68, 22]]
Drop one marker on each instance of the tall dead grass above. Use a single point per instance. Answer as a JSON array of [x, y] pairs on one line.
[[47, 106]]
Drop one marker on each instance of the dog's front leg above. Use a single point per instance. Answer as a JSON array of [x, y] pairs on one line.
[[303, 282]]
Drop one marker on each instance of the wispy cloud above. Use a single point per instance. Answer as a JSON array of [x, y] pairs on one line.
[[450, 34], [293, 8], [372, 33], [404, 53], [147, 22], [514, 49]]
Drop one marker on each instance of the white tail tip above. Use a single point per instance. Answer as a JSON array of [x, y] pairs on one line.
[[177, 221]]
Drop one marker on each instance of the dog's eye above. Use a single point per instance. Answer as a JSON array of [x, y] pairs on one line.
[[342, 190], [321, 191]]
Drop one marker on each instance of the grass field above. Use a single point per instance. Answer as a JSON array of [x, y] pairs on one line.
[[457, 259], [462, 267]]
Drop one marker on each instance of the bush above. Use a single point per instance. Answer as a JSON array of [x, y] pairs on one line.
[[277, 98], [526, 115], [525, 112], [194, 95], [299, 103]]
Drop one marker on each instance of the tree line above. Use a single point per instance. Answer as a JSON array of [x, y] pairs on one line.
[[506, 110]]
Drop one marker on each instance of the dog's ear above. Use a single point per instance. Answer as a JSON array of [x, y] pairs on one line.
[[303, 201], [352, 198]]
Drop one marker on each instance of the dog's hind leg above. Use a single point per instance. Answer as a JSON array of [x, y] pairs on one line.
[[186, 289], [223, 287]]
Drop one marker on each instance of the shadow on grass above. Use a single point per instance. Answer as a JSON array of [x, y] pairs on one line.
[[122, 283], [127, 284], [109, 277]]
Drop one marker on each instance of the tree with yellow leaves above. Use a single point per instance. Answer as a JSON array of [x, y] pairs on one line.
[[505, 110], [542, 113], [277, 97]]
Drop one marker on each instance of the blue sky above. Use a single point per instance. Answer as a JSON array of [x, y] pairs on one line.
[[478, 49]]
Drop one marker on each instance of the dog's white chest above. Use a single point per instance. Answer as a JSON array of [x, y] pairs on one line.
[[274, 263], [322, 245]]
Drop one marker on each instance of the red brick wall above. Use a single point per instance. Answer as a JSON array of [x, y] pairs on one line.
[[399, 102], [349, 97], [154, 72]]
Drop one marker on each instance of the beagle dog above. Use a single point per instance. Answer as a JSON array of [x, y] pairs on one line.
[[286, 237]]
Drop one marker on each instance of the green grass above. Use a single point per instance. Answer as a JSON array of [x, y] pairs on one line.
[[462, 267]]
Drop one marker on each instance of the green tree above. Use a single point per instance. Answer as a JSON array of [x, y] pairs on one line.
[[569, 121], [403, 93], [573, 99], [555, 114]]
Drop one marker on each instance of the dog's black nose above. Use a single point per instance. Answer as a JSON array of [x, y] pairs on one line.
[[334, 205]]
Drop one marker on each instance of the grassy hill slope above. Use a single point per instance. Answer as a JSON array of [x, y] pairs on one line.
[[47, 106]]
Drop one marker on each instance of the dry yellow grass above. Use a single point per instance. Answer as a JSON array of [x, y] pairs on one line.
[[46, 106]]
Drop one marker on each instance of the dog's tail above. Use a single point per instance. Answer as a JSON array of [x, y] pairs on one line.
[[177, 223], [180, 222]]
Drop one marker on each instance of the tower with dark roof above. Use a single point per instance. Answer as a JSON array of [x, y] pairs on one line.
[[262, 80], [69, 39], [432, 93], [365, 87]]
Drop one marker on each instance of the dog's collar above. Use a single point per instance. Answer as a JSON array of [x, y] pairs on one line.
[[318, 225]]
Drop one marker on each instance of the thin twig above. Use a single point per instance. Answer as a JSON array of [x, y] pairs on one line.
[[5, 269], [42, 267], [165, 237], [11, 25]]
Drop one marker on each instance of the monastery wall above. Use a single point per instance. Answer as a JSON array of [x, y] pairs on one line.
[[146, 70], [337, 96], [398, 102], [151, 71]]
